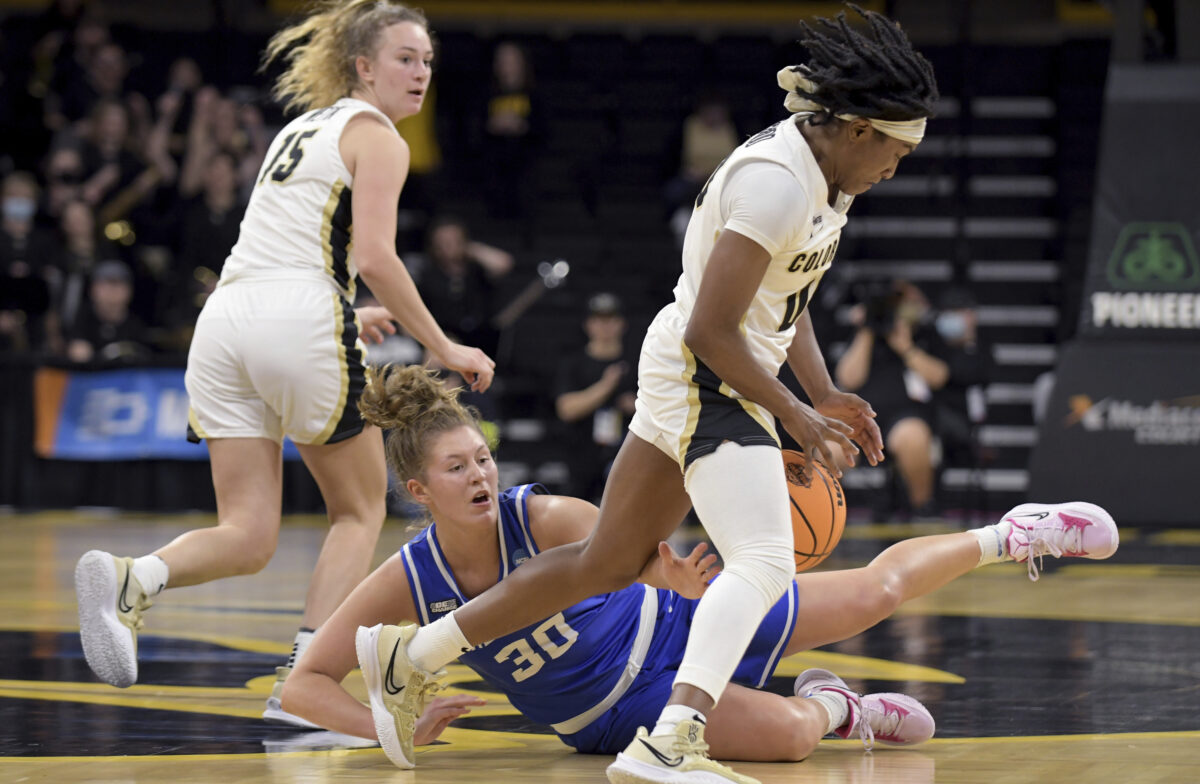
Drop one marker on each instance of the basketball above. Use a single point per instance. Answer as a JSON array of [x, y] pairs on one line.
[[818, 510]]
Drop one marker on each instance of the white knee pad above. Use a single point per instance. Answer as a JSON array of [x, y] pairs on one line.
[[740, 494]]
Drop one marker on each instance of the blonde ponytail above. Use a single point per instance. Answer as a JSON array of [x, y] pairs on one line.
[[413, 403], [320, 50]]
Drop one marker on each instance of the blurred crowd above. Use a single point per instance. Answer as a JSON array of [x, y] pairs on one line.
[[118, 208]]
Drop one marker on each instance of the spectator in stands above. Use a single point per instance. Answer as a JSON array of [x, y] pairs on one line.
[[63, 60], [708, 136], [594, 393], [80, 249], [63, 171], [207, 230], [25, 249], [457, 278], [220, 124], [107, 330], [958, 403], [117, 179], [889, 363], [511, 131]]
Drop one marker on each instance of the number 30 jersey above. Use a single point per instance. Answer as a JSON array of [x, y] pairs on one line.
[[564, 671], [298, 221], [771, 190]]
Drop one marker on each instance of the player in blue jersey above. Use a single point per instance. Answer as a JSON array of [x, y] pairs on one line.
[[602, 668]]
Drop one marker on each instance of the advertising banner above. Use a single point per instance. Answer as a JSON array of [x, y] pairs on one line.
[[131, 414], [1143, 266], [1122, 429]]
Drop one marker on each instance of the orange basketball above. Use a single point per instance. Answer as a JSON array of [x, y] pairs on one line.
[[818, 510]]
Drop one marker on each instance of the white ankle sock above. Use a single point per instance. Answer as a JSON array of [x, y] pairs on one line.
[[300, 645], [672, 715], [836, 705], [993, 542], [151, 572], [436, 645]]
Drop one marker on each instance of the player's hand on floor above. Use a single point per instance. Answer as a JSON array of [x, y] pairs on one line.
[[688, 576], [377, 323], [439, 713]]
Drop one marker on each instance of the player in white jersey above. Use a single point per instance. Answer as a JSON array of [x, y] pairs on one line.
[[277, 349], [703, 436]]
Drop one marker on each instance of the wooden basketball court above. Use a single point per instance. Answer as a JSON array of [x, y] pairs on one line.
[[1090, 675]]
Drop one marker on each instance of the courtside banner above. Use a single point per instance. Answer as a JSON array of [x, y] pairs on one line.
[[1143, 276], [131, 414], [1122, 429]]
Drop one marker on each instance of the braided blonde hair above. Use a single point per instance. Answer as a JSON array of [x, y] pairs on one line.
[[320, 50]]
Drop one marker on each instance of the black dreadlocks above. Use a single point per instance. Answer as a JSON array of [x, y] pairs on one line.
[[879, 76]]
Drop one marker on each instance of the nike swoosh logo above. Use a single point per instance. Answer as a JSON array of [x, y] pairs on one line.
[[388, 684], [122, 604], [670, 763], [1034, 515]]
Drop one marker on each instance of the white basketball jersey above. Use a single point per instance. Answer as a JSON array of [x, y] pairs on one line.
[[797, 265], [298, 219]]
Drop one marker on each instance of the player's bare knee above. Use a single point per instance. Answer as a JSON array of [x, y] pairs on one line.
[[802, 739], [253, 552]]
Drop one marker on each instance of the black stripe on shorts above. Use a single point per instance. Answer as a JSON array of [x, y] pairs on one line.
[[721, 419], [351, 422]]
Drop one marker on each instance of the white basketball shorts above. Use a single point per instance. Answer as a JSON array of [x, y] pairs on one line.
[[273, 357]]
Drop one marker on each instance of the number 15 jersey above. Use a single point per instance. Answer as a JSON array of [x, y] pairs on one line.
[[298, 221]]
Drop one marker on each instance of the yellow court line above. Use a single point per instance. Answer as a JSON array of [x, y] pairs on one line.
[[248, 644]]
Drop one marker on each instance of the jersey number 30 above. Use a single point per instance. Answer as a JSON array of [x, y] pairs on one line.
[[529, 661]]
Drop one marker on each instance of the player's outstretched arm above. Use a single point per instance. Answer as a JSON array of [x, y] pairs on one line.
[[314, 688]]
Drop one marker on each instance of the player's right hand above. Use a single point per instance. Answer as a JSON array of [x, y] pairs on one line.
[[819, 435], [439, 713], [472, 364]]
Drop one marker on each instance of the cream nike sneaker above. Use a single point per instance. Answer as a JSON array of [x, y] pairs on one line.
[[398, 690], [111, 603], [681, 758]]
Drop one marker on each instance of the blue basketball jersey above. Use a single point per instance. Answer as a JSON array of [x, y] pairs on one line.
[[569, 668]]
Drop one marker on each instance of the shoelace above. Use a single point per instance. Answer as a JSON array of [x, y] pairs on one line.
[[140, 606], [428, 692], [889, 722], [865, 731], [1042, 542]]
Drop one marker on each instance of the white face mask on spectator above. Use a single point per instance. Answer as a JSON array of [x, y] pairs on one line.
[[19, 208], [951, 326]]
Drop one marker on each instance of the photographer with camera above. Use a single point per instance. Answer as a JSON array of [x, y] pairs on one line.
[[884, 364]]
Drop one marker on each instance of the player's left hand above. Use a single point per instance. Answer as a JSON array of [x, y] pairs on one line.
[[439, 713], [688, 576], [377, 323], [858, 414]]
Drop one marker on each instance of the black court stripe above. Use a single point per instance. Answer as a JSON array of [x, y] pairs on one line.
[[351, 422]]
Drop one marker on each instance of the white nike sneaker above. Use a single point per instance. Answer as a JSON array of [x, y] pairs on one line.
[[111, 603], [1071, 530], [398, 689], [681, 758], [275, 714]]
